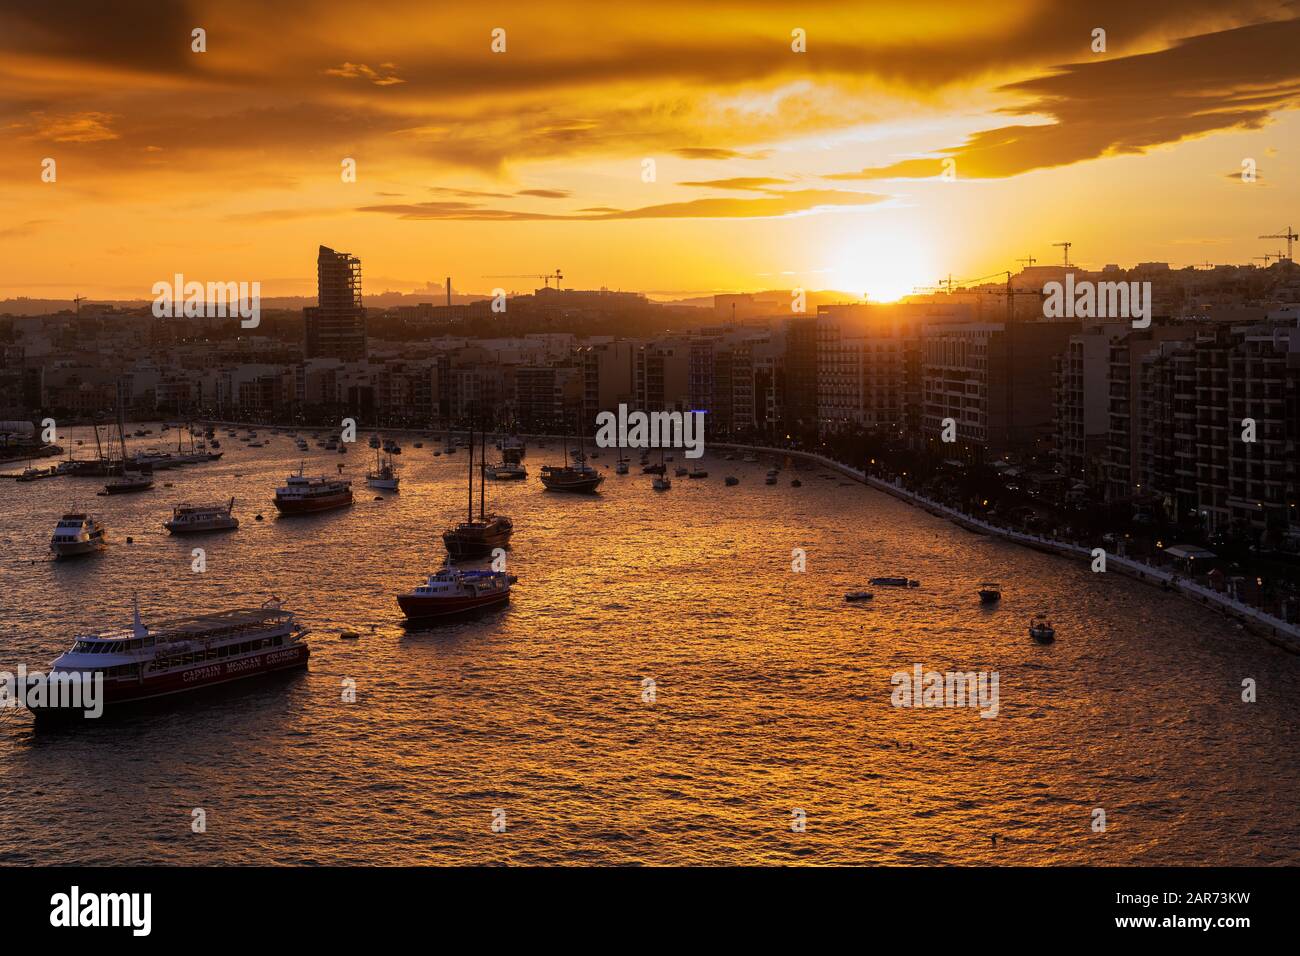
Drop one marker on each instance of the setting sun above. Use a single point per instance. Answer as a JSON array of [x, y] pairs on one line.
[[883, 265]]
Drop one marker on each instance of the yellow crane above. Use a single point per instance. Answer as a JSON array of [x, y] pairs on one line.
[[546, 277]]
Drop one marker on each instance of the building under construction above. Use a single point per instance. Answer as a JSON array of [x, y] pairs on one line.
[[336, 325]]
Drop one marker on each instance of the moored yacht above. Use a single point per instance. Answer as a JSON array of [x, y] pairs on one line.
[[454, 591], [512, 450], [1041, 630], [303, 495], [77, 534], [182, 655], [130, 481], [195, 519], [507, 471], [580, 477], [384, 476], [577, 477], [478, 537]]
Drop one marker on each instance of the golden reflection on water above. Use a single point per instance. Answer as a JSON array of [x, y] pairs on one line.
[[771, 694]]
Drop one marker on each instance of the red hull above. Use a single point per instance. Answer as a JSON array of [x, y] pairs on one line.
[[415, 606], [118, 692], [312, 505]]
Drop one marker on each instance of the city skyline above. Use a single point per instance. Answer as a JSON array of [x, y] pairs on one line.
[[772, 168]]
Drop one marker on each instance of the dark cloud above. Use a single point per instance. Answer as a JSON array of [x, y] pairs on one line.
[[775, 204]]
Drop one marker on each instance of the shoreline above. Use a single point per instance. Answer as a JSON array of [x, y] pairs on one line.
[[1274, 630]]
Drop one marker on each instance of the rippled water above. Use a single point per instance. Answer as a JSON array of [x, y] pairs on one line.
[[772, 695]]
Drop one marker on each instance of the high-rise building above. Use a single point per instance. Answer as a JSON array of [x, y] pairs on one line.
[[995, 380], [336, 325]]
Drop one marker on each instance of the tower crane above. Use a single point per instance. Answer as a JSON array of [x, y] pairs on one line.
[[1067, 246], [1290, 237], [546, 277]]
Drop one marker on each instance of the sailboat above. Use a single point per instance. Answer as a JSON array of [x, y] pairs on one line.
[[139, 478], [662, 482], [576, 477], [510, 468], [384, 477], [478, 538]]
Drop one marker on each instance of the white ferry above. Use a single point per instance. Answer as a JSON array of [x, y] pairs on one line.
[[193, 519], [77, 534], [184, 655]]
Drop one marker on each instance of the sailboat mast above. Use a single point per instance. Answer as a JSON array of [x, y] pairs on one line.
[[121, 422], [482, 474], [471, 471]]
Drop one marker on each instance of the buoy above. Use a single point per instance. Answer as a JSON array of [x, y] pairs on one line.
[[130, 540]]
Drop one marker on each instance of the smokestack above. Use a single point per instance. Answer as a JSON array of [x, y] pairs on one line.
[[449, 290]]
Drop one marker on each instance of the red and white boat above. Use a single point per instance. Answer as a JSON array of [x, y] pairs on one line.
[[184, 655], [454, 591], [303, 495]]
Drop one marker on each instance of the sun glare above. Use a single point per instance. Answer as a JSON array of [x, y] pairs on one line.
[[884, 266]]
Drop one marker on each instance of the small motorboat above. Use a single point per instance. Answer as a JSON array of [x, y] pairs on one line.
[[680, 471], [859, 596], [1041, 630], [796, 483], [621, 467], [732, 480], [662, 483], [698, 472], [990, 593], [128, 482], [771, 477], [894, 583]]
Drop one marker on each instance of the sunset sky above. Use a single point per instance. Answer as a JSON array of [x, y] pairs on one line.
[[773, 168]]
